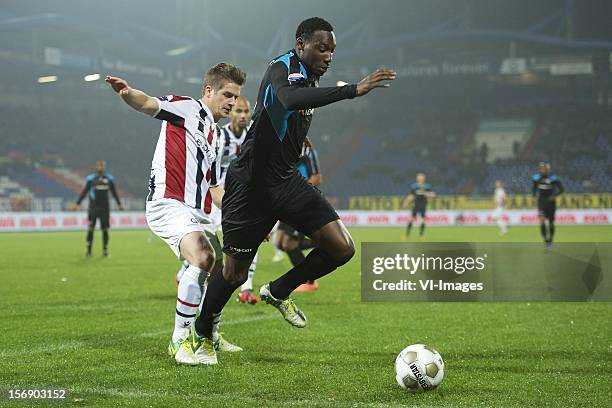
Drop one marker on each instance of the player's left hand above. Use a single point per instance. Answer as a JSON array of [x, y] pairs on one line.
[[119, 85]]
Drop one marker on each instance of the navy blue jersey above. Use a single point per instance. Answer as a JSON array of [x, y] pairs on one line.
[[419, 193], [96, 188], [285, 104], [546, 187], [309, 163]]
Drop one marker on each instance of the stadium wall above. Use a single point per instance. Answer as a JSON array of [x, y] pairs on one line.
[[464, 202], [70, 221]]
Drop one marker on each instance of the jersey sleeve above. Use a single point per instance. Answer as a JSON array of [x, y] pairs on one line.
[[111, 184], [215, 167], [314, 161], [174, 109], [84, 192], [294, 95]]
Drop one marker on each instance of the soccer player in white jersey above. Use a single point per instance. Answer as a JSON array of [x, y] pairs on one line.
[[500, 198], [184, 184]]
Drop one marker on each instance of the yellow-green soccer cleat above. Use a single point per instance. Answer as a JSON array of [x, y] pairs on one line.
[[202, 348], [223, 345], [292, 314], [182, 353]]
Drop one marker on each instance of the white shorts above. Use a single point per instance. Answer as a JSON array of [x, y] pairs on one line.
[[497, 213], [215, 217], [171, 220]]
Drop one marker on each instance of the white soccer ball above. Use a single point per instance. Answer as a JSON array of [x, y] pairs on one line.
[[419, 368]]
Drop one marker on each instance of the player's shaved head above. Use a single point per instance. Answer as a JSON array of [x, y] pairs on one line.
[[100, 166], [315, 43], [240, 115], [544, 167], [420, 177]]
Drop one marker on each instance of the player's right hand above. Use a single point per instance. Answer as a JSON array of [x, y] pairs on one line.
[[375, 80], [119, 85]]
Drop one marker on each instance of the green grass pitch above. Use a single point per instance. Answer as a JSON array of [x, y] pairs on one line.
[[99, 327]]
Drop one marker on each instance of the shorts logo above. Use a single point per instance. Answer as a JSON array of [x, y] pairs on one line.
[[240, 250]]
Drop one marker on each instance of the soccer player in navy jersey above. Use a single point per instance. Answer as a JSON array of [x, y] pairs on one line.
[[97, 187], [547, 187], [420, 191], [263, 184]]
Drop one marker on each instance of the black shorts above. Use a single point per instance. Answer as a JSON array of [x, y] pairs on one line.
[[547, 210], [419, 210], [289, 230], [249, 212], [102, 213]]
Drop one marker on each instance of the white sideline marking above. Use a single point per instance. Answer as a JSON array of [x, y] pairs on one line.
[[223, 324], [113, 392], [77, 344]]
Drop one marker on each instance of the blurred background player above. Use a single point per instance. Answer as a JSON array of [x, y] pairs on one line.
[[183, 186], [500, 198], [287, 238], [420, 191], [547, 187], [97, 186]]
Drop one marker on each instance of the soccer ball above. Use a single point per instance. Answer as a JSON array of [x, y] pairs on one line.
[[419, 368]]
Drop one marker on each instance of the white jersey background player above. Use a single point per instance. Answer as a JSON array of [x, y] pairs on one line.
[[500, 198], [184, 184]]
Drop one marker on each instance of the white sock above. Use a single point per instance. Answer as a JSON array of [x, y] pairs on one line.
[[502, 225], [216, 324], [248, 285], [187, 302], [181, 271]]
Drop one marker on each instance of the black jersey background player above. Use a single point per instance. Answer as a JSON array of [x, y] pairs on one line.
[[263, 184], [547, 187], [420, 191], [97, 187]]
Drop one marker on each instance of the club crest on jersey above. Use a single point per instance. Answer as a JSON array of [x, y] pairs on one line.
[[295, 77]]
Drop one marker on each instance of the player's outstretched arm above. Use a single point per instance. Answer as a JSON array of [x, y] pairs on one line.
[[133, 97], [296, 97]]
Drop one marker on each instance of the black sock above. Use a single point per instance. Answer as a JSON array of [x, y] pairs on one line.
[[217, 295], [90, 235], [296, 256], [307, 243], [543, 231], [551, 230], [409, 228], [316, 265], [105, 238], [422, 229]]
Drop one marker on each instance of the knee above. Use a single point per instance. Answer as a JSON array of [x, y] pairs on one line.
[[344, 253], [205, 259], [235, 276]]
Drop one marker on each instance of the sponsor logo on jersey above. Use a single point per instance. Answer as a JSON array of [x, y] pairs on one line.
[[295, 77]]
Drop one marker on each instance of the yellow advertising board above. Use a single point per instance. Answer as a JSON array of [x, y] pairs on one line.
[[464, 202]]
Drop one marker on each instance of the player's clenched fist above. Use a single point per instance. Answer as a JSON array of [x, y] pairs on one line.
[[119, 85]]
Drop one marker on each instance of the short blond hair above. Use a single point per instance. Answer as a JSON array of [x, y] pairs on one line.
[[220, 74]]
